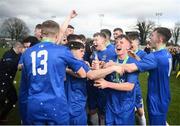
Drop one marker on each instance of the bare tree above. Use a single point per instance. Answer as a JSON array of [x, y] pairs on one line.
[[144, 28], [15, 28], [176, 32]]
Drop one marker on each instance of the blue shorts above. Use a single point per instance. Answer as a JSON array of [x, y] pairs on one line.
[[125, 118], [46, 113], [79, 120], [157, 119]]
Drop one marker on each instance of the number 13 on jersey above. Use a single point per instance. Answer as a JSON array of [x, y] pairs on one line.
[[43, 62]]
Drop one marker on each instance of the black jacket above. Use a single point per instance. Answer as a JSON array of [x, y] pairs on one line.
[[8, 66]]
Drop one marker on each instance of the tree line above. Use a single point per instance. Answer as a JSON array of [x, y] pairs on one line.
[[16, 29]]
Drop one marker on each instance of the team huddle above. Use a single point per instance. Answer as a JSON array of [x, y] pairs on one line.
[[62, 83]]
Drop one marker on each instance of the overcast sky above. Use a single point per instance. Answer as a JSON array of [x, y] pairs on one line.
[[117, 13]]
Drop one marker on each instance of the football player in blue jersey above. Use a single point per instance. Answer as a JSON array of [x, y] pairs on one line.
[[109, 44], [42, 98], [159, 64], [138, 55], [97, 99], [75, 87], [102, 54], [120, 89], [117, 32]]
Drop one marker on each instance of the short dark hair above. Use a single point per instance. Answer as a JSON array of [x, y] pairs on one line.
[[82, 37], [123, 36], [33, 40], [38, 26], [70, 26], [73, 37], [107, 32], [118, 29], [99, 34], [133, 35], [75, 45], [165, 32]]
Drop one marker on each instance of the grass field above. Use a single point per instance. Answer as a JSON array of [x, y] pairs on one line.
[[174, 109]]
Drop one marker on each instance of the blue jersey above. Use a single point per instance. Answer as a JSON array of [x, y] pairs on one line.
[[104, 55], [159, 66], [42, 95], [141, 53], [76, 92], [139, 102], [121, 101], [111, 50], [20, 60]]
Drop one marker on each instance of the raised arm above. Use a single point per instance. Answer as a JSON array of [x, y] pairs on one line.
[[65, 24]]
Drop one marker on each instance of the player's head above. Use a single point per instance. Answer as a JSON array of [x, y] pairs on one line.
[[69, 30], [99, 41], [122, 44], [74, 37], [160, 35], [30, 41], [134, 38], [37, 31], [77, 48], [117, 32], [107, 33], [82, 38], [50, 29], [18, 47]]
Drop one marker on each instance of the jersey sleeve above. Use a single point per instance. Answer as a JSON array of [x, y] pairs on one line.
[[86, 67], [20, 60], [147, 63], [143, 54], [71, 61], [132, 77]]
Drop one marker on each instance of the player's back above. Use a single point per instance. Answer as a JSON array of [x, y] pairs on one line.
[[44, 66]]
